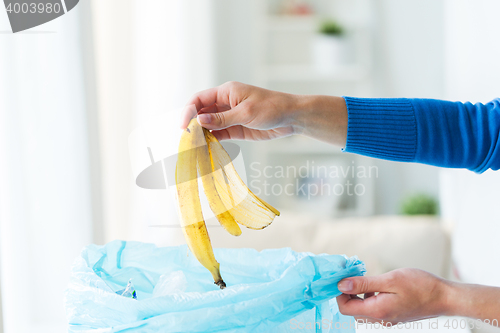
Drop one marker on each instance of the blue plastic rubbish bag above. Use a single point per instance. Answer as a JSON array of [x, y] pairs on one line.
[[275, 290]]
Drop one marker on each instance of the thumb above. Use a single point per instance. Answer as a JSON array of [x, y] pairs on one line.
[[221, 120], [362, 285]]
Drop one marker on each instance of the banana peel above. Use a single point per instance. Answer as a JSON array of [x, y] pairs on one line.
[[246, 208], [216, 204], [231, 201], [192, 222]]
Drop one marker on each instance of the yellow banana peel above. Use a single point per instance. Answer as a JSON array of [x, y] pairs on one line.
[[216, 204], [247, 208], [192, 222], [201, 155]]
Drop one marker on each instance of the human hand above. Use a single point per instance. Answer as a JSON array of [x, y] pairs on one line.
[[238, 111], [243, 112], [403, 295]]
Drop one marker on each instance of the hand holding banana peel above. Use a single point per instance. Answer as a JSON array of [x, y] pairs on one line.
[[231, 201]]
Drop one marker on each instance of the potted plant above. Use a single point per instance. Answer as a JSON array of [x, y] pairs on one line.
[[329, 47], [419, 204]]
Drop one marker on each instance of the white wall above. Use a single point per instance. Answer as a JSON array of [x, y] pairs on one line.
[[234, 23], [472, 50], [470, 204], [172, 59], [408, 52], [470, 200], [45, 206], [149, 60], [409, 48]]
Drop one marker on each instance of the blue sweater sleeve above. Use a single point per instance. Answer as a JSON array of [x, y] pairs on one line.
[[440, 133]]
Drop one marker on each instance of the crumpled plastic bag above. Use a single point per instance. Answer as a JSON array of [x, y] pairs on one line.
[[276, 290], [128, 291]]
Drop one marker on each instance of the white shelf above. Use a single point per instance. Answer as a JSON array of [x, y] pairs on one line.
[[307, 73], [284, 61]]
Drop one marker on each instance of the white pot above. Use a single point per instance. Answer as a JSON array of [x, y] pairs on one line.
[[328, 52]]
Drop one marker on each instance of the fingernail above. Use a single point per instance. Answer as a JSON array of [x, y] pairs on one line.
[[204, 118], [345, 286]]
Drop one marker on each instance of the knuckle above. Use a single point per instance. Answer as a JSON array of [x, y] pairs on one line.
[[194, 99], [230, 84], [361, 285], [395, 277], [403, 271], [391, 277], [250, 105], [221, 119]]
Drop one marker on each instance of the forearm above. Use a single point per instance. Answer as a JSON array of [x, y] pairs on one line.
[[321, 117], [441, 133], [474, 301]]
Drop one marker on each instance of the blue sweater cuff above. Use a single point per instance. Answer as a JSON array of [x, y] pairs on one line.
[[382, 128]]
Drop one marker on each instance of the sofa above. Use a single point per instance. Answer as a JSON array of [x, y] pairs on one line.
[[384, 243]]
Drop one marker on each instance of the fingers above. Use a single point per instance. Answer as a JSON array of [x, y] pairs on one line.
[[222, 120], [215, 108], [205, 98], [238, 133], [225, 134], [352, 305], [188, 113], [368, 295], [363, 284], [204, 101], [218, 107]]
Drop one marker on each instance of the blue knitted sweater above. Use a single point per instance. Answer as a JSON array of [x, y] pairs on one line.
[[441, 133]]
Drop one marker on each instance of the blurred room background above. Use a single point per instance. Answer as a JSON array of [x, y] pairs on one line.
[[72, 90]]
